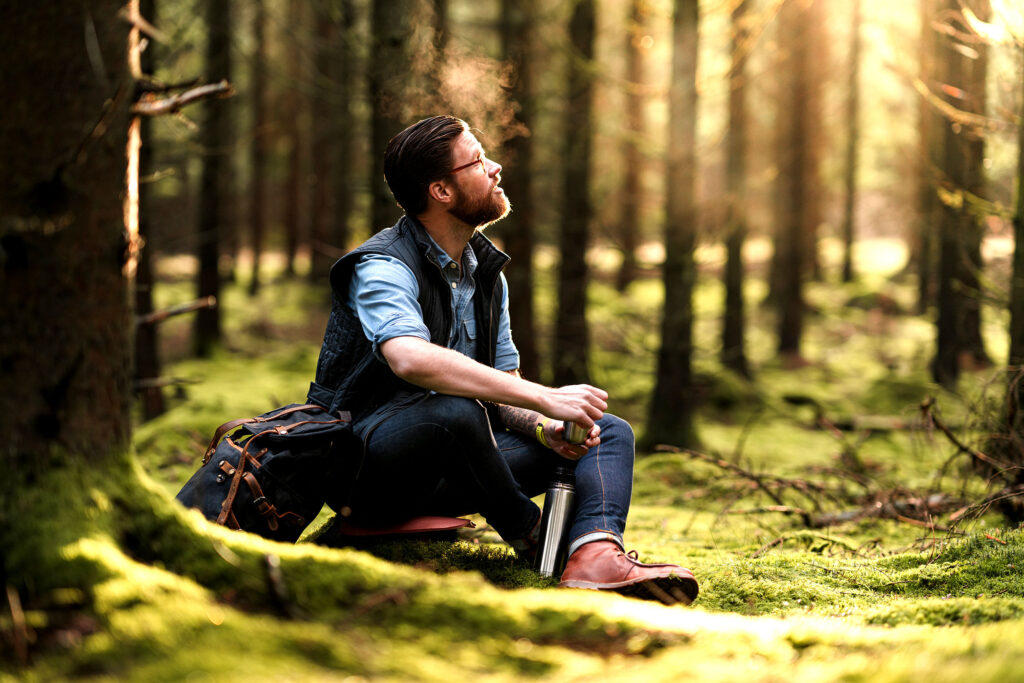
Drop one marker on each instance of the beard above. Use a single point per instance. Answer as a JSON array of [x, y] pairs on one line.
[[480, 212]]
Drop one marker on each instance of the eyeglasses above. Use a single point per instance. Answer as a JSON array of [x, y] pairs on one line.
[[478, 160]]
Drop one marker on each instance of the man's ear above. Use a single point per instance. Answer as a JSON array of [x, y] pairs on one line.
[[440, 191]]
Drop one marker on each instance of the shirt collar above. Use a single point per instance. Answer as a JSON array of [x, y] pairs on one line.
[[469, 261]]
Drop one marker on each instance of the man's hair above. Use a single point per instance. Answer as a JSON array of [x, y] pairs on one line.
[[418, 156]]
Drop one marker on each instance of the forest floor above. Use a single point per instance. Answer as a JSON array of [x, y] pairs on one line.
[[827, 516]]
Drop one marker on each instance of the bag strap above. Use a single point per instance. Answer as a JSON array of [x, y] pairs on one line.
[[233, 424]]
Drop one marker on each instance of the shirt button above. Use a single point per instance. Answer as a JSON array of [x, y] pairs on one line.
[[454, 285], [453, 265]]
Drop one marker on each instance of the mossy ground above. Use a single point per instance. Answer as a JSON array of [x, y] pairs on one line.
[[128, 586]]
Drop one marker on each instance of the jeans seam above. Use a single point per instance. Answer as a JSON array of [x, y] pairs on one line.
[[604, 495]]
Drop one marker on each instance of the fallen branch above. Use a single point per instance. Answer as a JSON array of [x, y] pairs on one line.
[[160, 316], [160, 382], [152, 106], [975, 454]]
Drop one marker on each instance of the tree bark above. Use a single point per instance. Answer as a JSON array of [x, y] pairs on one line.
[[66, 330], [571, 363], [672, 403], [924, 256], [215, 138], [517, 28], [733, 355]]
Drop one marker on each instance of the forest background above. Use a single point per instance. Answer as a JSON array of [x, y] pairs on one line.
[[782, 233]]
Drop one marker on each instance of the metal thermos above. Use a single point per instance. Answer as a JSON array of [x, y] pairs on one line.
[[559, 502]]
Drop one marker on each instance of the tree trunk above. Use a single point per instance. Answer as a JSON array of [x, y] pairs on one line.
[[65, 334], [673, 404], [972, 346], [258, 150], [1016, 356], [571, 363], [321, 142], [147, 346], [517, 28], [293, 131], [733, 354], [215, 139], [852, 142], [389, 68], [344, 70], [793, 184], [629, 228], [923, 257]]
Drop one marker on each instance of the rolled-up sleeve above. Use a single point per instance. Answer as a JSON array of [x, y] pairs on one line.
[[507, 355], [384, 295]]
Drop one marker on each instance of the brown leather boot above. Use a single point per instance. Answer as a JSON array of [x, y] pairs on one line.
[[601, 565]]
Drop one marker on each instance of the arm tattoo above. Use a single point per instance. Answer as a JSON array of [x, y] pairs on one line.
[[519, 420]]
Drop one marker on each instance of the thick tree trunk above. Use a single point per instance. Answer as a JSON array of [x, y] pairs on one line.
[[66, 328], [852, 143], [258, 149], [673, 403], [733, 354], [629, 229], [571, 364], [214, 212], [517, 28], [923, 248], [389, 68]]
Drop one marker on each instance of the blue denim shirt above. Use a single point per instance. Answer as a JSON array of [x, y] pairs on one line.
[[384, 295]]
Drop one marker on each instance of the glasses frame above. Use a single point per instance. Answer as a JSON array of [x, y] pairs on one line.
[[478, 160]]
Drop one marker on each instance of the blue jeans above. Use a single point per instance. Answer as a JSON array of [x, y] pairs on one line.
[[440, 456]]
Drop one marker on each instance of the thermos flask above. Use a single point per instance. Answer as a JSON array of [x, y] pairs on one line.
[[559, 502]]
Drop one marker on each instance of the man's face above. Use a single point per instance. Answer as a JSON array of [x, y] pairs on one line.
[[478, 199]]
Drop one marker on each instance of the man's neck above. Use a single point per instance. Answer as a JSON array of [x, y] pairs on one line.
[[451, 235]]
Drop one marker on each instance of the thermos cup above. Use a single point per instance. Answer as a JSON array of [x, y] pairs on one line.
[[574, 433], [559, 502]]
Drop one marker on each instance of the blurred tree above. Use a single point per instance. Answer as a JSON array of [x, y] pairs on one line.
[[344, 69], [924, 256], [216, 140], [672, 404], [147, 353], [321, 154], [292, 106], [258, 142], [1016, 356], [571, 362], [972, 346], [962, 74], [518, 23], [852, 143], [797, 181], [733, 354], [389, 68], [629, 229]]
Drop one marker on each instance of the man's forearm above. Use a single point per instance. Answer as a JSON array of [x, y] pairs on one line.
[[450, 372], [522, 420]]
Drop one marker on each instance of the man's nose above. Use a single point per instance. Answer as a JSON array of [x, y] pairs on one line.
[[495, 168]]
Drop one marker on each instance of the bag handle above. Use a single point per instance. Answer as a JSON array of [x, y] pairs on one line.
[[232, 424]]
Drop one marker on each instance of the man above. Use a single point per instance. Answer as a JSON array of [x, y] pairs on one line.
[[419, 348]]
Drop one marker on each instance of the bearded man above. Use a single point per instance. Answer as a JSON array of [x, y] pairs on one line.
[[419, 348]]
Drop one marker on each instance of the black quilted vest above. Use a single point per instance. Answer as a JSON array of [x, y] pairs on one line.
[[348, 375]]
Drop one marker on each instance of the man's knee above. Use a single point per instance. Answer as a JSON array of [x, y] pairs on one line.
[[613, 426], [459, 415]]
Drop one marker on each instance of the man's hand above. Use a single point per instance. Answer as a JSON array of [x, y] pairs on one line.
[[554, 432], [579, 403]]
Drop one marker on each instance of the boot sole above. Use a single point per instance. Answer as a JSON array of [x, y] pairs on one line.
[[670, 589]]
